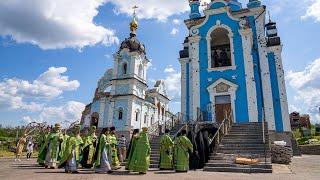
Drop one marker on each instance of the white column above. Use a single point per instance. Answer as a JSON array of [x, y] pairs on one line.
[[184, 87], [195, 75], [110, 113], [247, 42], [282, 87], [265, 73], [101, 112]]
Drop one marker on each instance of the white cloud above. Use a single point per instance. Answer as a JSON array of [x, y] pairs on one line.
[[174, 31], [54, 24], [306, 84], [21, 94], [151, 9], [173, 86], [64, 114], [313, 11], [169, 70], [176, 21]]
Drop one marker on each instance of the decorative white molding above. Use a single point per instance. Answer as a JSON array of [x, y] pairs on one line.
[[282, 87], [212, 89], [102, 103], [183, 62], [265, 72], [247, 43], [208, 38], [194, 75], [209, 12]]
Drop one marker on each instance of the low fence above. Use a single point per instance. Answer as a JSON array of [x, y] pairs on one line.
[[310, 149]]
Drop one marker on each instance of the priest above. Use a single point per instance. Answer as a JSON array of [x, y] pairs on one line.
[[182, 147], [53, 143], [114, 148], [89, 148], [103, 153], [42, 145], [132, 145], [166, 148], [71, 155], [140, 161]]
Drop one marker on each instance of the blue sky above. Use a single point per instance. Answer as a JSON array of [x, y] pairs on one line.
[[53, 52]]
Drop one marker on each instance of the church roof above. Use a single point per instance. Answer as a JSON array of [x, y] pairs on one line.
[[133, 44]]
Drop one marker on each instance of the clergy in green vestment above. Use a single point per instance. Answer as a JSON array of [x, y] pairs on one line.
[[89, 148], [53, 143], [43, 147], [65, 137], [71, 155], [166, 148], [132, 145], [140, 160], [103, 153], [114, 147], [182, 146]]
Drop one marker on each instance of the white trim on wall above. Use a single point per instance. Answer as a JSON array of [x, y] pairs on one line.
[[231, 92], [282, 87], [247, 42]]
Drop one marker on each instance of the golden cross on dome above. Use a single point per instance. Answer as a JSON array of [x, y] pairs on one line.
[[134, 9], [134, 23]]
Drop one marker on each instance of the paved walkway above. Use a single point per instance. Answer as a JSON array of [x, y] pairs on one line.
[[305, 167]]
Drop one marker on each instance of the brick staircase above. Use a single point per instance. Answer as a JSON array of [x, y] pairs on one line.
[[155, 147], [243, 140]]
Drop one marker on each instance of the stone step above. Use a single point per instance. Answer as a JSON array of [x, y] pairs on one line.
[[233, 156], [237, 170], [154, 166], [154, 158], [240, 151], [237, 145], [231, 161], [244, 141], [260, 165], [258, 148]]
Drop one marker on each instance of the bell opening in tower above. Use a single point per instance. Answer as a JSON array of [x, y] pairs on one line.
[[220, 48]]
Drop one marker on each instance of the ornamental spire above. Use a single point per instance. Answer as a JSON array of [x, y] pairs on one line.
[[134, 23]]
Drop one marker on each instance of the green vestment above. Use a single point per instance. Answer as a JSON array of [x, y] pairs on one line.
[[182, 147], [114, 145], [43, 148], [140, 160], [88, 150], [55, 138], [73, 143], [63, 144], [166, 145], [104, 142], [131, 150]]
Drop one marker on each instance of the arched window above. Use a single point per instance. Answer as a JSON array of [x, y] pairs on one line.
[[145, 118], [125, 68], [140, 71], [137, 115], [152, 119], [220, 48], [120, 114]]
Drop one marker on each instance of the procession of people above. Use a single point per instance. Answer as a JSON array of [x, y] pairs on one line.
[[105, 153]]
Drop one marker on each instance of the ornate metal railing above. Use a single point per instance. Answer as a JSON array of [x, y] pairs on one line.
[[223, 129]]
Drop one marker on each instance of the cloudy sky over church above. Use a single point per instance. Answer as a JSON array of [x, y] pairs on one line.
[[53, 52]]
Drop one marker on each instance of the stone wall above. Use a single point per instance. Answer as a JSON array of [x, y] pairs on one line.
[[310, 149], [280, 154]]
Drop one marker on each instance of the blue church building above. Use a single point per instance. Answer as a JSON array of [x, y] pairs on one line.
[[231, 66]]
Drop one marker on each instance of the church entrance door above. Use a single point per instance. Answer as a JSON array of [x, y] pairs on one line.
[[222, 107]]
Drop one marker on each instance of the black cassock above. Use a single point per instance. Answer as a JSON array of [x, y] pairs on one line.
[[193, 156], [205, 136], [201, 150]]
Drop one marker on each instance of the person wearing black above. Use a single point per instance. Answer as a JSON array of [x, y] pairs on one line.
[[194, 156]]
